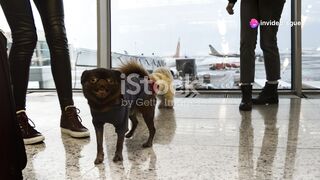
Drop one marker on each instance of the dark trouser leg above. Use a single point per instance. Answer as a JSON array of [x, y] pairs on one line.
[[52, 16], [268, 42], [24, 39], [248, 40], [268, 37]]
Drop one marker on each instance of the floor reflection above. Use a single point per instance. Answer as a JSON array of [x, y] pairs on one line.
[[264, 165], [292, 141], [165, 123], [245, 166], [73, 150], [142, 161], [109, 169], [32, 154], [203, 139], [269, 142], [268, 151]]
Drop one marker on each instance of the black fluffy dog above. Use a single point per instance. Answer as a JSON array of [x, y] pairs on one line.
[[113, 97]]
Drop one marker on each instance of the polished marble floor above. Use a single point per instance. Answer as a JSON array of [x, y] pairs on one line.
[[202, 138]]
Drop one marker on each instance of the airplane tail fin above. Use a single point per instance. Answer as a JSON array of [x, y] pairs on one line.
[[213, 51], [177, 54]]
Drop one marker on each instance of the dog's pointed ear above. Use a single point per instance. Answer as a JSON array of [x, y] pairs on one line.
[[84, 76]]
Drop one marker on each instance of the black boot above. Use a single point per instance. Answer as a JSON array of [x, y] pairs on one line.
[[268, 95], [246, 101]]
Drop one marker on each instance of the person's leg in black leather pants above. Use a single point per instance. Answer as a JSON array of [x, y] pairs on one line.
[[20, 18], [24, 38]]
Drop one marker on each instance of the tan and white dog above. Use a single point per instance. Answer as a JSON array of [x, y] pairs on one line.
[[163, 78]]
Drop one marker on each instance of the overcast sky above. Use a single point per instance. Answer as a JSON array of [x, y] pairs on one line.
[[154, 26], [80, 19]]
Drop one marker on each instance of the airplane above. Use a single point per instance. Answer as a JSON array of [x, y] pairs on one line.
[[214, 52], [201, 68], [202, 60], [148, 62], [215, 61]]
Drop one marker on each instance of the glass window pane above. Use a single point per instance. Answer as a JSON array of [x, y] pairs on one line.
[[310, 44], [198, 34], [81, 32]]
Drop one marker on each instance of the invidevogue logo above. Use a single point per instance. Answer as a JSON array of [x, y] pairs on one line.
[[254, 23]]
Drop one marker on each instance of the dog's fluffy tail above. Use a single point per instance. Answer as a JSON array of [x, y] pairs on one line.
[[133, 67], [165, 71]]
